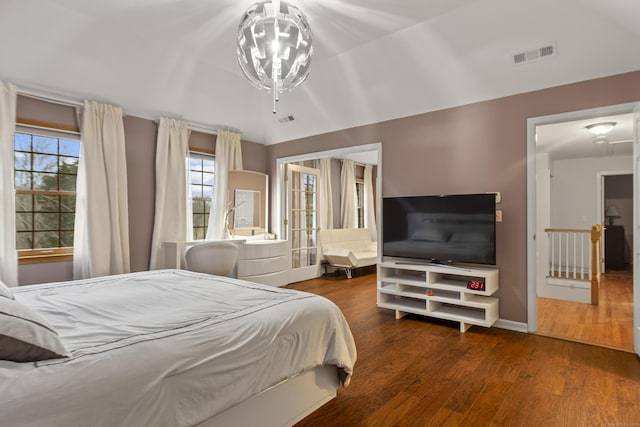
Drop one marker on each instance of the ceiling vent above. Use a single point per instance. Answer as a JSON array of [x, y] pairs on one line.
[[286, 119], [529, 55]]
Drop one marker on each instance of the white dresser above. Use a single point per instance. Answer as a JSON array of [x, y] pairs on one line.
[[264, 261]]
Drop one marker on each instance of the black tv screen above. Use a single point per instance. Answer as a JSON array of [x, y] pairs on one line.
[[457, 228]]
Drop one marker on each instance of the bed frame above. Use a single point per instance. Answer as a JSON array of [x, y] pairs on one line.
[[285, 403]]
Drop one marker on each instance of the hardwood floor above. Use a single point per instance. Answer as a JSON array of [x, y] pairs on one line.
[[420, 372], [608, 324]]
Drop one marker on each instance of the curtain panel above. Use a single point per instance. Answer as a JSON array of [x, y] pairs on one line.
[[228, 157], [348, 200], [101, 240], [172, 220], [8, 254], [325, 204], [369, 203]]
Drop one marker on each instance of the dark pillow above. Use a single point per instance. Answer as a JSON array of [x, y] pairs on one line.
[[26, 336]]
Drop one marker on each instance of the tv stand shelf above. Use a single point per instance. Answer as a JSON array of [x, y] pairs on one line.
[[439, 291]]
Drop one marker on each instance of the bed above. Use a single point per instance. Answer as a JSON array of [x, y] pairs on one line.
[[177, 348]]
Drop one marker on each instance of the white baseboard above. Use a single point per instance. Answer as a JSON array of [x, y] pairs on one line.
[[511, 325]]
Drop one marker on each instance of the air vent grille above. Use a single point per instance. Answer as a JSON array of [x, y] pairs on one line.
[[286, 119], [535, 53]]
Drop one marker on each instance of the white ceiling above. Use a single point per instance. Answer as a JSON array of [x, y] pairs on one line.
[[571, 139], [374, 59]]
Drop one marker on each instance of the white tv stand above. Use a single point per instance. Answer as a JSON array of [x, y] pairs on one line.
[[438, 291]]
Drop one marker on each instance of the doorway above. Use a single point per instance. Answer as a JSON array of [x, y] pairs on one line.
[[366, 153], [581, 206]]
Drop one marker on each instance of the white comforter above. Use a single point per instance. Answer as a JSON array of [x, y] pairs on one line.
[[167, 348]]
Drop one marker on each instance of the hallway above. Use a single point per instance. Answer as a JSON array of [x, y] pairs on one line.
[[609, 324]]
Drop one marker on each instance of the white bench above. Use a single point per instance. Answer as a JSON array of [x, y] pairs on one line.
[[348, 248]]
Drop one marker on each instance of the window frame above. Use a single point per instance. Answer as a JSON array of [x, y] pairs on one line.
[[360, 204], [199, 152], [32, 127]]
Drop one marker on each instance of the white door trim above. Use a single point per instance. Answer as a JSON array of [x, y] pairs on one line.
[[532, 123], [277, 203]]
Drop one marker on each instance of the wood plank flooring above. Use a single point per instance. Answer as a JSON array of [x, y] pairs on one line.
[[422, 372], [608, 324]]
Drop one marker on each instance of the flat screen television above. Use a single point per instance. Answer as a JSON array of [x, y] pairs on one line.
[[457, 228]]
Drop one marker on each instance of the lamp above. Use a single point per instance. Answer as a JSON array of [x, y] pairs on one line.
[[228, 212], [274, 47], [599, 129], [611, 213]]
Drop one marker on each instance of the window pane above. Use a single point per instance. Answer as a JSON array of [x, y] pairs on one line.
[[45, 239], [22, 161], [207, 179], [23, 180], [198, 233], [23, 221], [22, 142], [201, 179], [23, 240], [66, 239], [198, 206], [45, 181], [67, 182], [67, 203], [207, 192], [196, 191], [47, 203], [45, 144], [46, 221], [196, 177], [45, 163], [209, 166], [70, 147], [69, 165], [198, 220], [24, 202], [195, 164], [67, 221]]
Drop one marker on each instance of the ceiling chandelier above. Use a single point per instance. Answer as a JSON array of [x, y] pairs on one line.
[[274, 47]]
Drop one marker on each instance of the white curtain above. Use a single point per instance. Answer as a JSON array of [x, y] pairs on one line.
[[325, 212], [369, 204], [8, 254], [173, 209], [228, 157], [101, 241], [348, 194]]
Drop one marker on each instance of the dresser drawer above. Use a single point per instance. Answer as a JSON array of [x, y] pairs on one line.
[[279, 278], [252, 267], [263, 249]]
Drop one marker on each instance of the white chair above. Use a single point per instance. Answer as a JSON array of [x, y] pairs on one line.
[[215, 257]]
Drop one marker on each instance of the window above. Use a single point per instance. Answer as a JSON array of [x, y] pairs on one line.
[[46, 166], [201, 180], [360, 202]]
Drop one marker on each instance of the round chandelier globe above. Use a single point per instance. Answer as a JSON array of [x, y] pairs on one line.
[[274, 47]]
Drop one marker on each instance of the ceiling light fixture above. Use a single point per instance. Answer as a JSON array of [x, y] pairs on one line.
[[601, 128], [274, 47]]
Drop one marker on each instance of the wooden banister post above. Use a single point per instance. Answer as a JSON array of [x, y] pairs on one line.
[[596, 233]]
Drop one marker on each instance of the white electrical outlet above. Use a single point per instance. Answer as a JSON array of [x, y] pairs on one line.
[[499, 215]]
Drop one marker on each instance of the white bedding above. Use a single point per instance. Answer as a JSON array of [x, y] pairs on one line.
[[167, 348]]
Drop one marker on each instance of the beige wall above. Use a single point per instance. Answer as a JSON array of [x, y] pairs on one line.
[[140, 140], [474, 148]]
